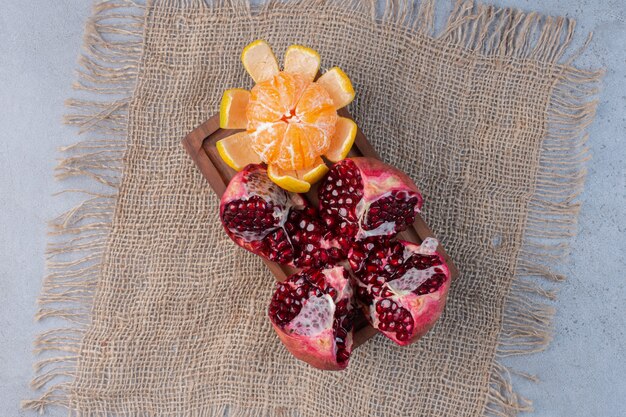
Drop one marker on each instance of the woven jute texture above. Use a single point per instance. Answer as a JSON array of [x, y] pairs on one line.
[[167, 317]]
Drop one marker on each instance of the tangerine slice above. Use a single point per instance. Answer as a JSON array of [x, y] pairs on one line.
[[342, 140], [316, 107], [302, 60], [233, 109], [236, 151], [266, 140], [338, 85], [300, 146], [298, 181], [259, 60]]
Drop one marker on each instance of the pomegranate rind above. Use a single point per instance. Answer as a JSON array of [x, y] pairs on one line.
[[384, 179], [320, 350], [424, 309]]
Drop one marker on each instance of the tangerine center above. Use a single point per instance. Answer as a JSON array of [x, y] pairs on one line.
[[290, 121]]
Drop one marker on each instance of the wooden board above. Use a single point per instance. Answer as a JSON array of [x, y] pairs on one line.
[[200, 144]]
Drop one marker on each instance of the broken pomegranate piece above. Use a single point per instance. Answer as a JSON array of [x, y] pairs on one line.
[[254, 210], [363, 197], [401, 286], [313, 314], [275, 224]]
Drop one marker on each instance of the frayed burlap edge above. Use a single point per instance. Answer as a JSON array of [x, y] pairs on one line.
[[553, 208], [109, 67], [106, 77]]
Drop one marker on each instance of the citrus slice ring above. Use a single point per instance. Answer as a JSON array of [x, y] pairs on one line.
[[290, 119]]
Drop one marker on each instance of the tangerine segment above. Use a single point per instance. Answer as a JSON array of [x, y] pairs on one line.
[[233, 109], [302, 60], [259, 60], [342, 140], [298, 181], [274, 99], [338, 85], [236, 151], [266, 140], [316, 107], [300, 146]]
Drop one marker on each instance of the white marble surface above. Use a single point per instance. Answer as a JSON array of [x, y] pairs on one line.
[[583, 371]]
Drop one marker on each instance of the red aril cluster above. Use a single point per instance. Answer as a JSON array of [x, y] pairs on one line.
[[363, 204], [313, 314], [401, 286], [362, 198], [275, 224]]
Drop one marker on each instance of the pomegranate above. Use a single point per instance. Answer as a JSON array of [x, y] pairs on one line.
[[363, 197], [313, 314], [280, 226], [401, 286]]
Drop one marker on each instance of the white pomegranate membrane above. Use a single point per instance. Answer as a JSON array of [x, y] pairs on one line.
[[362, 198], [402, 287], [313, 314], [272, 223], [363, 204]]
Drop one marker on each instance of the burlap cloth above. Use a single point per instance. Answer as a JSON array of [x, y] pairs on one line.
[[167, 317]]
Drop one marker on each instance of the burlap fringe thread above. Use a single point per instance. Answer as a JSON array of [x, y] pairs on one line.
[[109, 67]]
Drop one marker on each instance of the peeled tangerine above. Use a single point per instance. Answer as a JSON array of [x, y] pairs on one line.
[[312, 313], [290, 120]]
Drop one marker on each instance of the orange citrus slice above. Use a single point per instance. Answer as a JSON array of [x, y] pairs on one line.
[[298, 181], [291, 121], [259, 60], [342, 140], [302, 60], [233, 109], [338, 85], [236, 151]]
